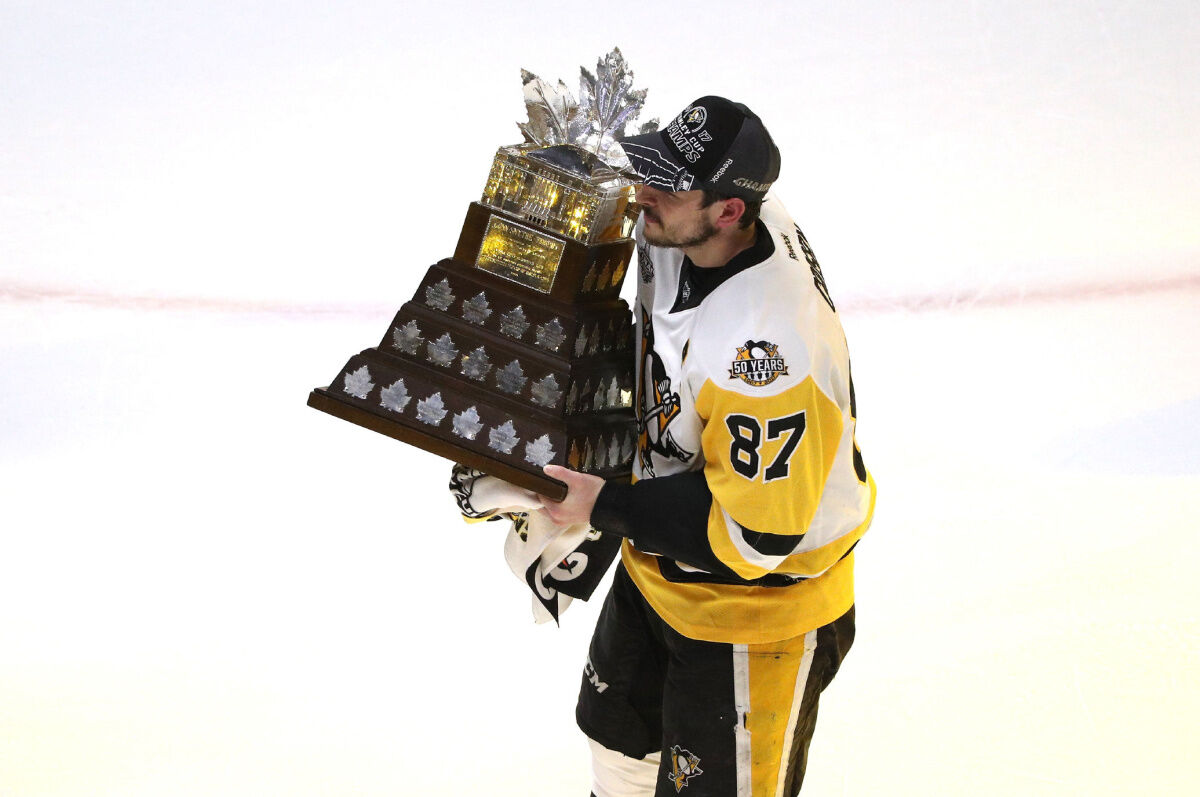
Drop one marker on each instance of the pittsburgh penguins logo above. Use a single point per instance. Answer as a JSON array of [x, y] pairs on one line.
[[758, 363], [694, 119], [684, 766], [658, 404]]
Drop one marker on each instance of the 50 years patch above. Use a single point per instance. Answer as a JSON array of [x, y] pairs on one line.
[[758, 363]]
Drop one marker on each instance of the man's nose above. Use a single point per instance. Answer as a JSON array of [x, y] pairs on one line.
[[646, 195]]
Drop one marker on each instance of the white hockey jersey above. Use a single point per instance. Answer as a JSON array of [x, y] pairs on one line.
[[748, 381]]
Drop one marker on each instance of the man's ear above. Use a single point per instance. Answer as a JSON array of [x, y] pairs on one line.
[[731, 213]]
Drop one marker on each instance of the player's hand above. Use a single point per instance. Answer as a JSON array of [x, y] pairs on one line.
[[582, 490]]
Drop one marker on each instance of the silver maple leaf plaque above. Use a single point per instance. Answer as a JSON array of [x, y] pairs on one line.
[[431, 410], [442, 351], [408, 338], [539, 452], [513, 323], [358, 384], [466, 423], [599, 401], [550, 335], [395, 396], [503, 438], [439, 296], [476, 310], [476, 365], [613, 398], [545, 391], [589, 461], [511, 378], [601, 454]]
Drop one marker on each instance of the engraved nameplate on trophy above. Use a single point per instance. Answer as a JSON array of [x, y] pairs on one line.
[[517, 351], [520, 254]]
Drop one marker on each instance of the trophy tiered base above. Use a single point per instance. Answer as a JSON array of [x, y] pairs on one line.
[[513, 354]]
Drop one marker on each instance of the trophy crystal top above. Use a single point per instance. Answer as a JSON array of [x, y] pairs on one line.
[[571, 176], [540, 184]]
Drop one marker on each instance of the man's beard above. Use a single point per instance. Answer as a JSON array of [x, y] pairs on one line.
[[705, 231]]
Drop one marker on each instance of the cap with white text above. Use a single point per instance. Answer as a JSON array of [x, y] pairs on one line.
[[715, 144]]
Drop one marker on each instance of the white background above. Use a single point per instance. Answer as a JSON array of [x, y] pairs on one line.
[[206, 587]]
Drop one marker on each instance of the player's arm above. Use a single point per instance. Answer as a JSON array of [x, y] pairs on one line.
[[749, 510], [665, 516], [758, 506], [744, 515]]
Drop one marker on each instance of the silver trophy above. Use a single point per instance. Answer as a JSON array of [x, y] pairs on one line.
[[517, 352]]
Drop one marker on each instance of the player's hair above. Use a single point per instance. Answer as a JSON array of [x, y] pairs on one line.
[[753, 206]]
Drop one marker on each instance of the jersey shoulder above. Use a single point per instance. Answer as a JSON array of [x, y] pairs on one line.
[[770, 327]]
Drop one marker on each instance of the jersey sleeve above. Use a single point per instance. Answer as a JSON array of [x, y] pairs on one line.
[[663, 516], [768, 459], [773, 393]]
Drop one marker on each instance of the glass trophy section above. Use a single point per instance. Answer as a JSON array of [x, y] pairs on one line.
[[562, 189]]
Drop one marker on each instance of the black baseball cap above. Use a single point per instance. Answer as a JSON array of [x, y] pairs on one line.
[[715, 144]]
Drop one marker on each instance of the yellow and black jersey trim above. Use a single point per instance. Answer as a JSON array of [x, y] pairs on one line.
[[742, 614], [662, 517], [773, 607], [697, 593]]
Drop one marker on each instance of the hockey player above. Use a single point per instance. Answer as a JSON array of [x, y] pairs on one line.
[[733, 603]]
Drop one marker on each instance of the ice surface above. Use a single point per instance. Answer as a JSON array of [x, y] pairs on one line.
[[209, 588], [213, 588]]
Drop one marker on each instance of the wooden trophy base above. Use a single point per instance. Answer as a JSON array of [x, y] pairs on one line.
[[492, 369], [324, 401]]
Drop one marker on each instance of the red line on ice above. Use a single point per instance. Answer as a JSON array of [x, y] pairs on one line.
[[1010, 296], [15, 292]]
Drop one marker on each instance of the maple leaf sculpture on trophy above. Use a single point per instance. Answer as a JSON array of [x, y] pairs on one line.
[[607, 104]]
